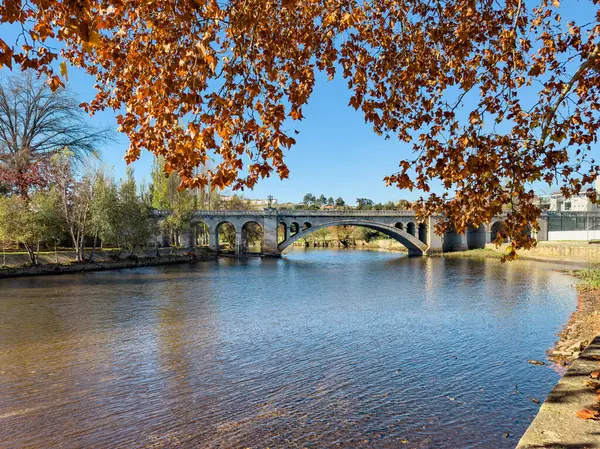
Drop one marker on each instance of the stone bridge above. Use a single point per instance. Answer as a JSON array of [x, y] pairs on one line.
[[281, 228]]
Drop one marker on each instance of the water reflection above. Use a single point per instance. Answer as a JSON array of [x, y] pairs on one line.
[[331, 348]]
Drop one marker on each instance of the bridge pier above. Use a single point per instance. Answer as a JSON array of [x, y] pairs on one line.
[[188, 238], [270, 225], [239, 248], [213, 244], [460, 243], [435, 242], [487, 234]]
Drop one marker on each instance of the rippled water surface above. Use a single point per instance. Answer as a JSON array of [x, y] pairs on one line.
[[320, 348]]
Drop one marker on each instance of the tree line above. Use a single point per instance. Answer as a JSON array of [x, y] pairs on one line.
[[55, 192], [310, 201]]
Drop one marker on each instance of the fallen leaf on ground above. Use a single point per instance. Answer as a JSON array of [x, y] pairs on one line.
[[593, 385], [587, 413], [595, 374]]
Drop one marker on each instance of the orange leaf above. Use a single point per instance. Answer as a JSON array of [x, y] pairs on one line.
[[55, 83], [587, 413]]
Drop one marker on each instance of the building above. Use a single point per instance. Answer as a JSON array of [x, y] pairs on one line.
[[580, 203], [253, 202]]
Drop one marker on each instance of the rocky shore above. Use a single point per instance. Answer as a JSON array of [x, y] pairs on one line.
[[581, 329]]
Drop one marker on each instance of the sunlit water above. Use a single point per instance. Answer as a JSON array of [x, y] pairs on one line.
[[319, 348]]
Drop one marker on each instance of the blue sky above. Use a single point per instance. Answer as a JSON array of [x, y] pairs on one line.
[[337, 153]]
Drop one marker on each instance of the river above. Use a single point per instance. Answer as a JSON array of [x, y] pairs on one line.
[[322, 348]]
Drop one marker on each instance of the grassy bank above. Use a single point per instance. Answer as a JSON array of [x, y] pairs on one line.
[[590, 278], [103, 263], [472, 253]]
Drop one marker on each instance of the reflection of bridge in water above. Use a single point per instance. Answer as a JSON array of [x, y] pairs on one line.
[[281, 228]]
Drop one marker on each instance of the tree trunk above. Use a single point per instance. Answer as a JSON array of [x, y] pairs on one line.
[[81, 249], [94, 246], [31, 253], [76, 247], [55, 253]]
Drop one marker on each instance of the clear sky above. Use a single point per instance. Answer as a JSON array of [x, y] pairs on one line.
[[337, 153]]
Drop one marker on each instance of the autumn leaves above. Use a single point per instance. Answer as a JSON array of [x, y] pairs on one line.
[[492, 97]]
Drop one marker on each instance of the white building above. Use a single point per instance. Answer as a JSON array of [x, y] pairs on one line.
[[579, 203], [253, 202]]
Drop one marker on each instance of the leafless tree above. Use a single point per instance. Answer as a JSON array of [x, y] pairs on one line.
[[36, 123]]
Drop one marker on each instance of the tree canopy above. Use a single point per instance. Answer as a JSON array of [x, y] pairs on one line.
[[35, 124], [493, 96]]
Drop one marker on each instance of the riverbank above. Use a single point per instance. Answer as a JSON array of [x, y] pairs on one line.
[[374, 245], [483, 253], [575, 254], [569, 416], [572, 253], [107, 261], [584, 324]]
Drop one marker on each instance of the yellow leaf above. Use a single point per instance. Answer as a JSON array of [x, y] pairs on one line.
[[94, 38], [330, 19], [63, 70]]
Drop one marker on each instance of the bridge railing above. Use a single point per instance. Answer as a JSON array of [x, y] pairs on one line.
[[343, 213], [298, 213]]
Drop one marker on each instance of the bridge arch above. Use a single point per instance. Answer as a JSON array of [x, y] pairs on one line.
[[294, 228], [252, 236], [498, 228], [399, 225], [423, 232], [412, 243], [225, 233], [282, 232], [410, 228], [476, 236]]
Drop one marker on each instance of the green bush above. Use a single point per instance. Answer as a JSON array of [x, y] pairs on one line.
[[590, 277]]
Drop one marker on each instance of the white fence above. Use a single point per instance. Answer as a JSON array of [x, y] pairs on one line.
[[585, 236]]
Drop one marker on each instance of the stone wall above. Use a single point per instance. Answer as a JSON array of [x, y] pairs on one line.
[[572, 252]]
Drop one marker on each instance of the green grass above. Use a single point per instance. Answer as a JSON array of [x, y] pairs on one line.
[[590, 277], [59, 250], [475, 253]]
